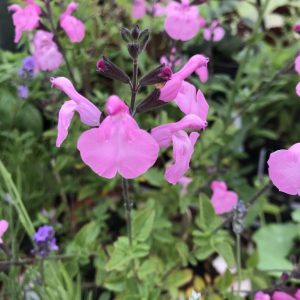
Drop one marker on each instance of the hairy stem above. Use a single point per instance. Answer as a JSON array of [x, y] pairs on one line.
[[60, 47], [134, 86], [238, 261], [128, 206]]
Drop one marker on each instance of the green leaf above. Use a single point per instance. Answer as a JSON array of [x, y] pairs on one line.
[[142, 223], [178, 278], [225, 250]]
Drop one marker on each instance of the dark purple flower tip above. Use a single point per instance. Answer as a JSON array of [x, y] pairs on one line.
[[101, 65], [44, 233], [296, 27], [165, 73], [284, 276]]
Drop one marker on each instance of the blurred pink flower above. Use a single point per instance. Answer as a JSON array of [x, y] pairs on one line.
[[284, 169], [297, 64], [282, 296], [261, 296], [138, 9], [88, 112], [73, 27], [159, 10], [183, 21], [296, 27], [223, 201], [192, 102], [3, 227], [183, 144], [118, 145], [25, 18], [171, 88], [298, 89], [214, 32], [46, 53]]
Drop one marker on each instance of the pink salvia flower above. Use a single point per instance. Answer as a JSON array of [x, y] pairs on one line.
[[284, 170], [183, 144], [183, 149], [214, 32], [282, 296], [192, 102], [261, 296], [298, 89], [3, 227], [46, 53], [139, 9], [222, 200], [25, 18], [183, 21], [172, 87], [297, 64], [73, 27], [88, 112], [159, 10], [118, 145]]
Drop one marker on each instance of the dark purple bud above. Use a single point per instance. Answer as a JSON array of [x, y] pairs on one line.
[[159, 75], [135, 32], [143, 39], [284, 276], [134, 49], [198, 2], [151, 102], [126, 35], [108, 69]]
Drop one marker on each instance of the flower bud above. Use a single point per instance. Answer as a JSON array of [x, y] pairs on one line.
[[126, 35], [134, 49], [135, 32], [112, 71], [159, 75], [143, 39]]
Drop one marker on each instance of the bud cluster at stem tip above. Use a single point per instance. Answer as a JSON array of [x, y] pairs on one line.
[[136, 40]]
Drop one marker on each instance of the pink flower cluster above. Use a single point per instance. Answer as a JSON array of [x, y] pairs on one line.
[[278, 295], [118, 145], [3, 227], [46, 53]]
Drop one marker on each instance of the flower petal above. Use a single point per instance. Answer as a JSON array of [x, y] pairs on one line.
[[3, 227]]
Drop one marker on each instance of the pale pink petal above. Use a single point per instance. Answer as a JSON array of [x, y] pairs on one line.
[[261, 296], [159, 10], [163, 133], [282, 296], [73, 27], [118, 145], [298, 89], [170, 90], [139, 9], [214, 32], [183, 149], [3, 227], [202, 73], [191, 102], [89, 113], [284, 166], [297, 295], [297, 64], [222, 200], [46, 53], [184, 182], [25, 19]]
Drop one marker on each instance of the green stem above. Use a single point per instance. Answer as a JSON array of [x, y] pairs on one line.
[[60, 47], [128, 206], [134, 87], [238, 260]]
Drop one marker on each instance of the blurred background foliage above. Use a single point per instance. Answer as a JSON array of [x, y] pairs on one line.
[[253, 111]]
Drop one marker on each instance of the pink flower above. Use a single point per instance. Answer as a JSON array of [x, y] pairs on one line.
[[192, 102], [282, 296], [297, 64], [159, 10], [297, 295], [171, 88], [138, 9], [223, 201], [261, 296], [25, 18], [298, 89], [284, 169], [296, 27], [88, 112], [46, 53], [214, 32], [118, 145], [183, 21], [3, 227], [183, 144], [73, 27]]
